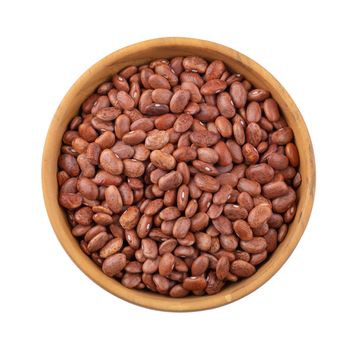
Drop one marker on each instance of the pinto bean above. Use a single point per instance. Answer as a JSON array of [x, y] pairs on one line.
[[179, 176]]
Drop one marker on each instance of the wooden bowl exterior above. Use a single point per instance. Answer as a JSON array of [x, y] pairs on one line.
[[145, 52]]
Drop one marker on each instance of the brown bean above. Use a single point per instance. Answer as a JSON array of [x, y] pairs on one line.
[[195, 283], [130, 218], [259, 215], [213, 86], [225, 105], [97, 242], [205, 168], [181, 227], [245, 200], [126, 194], [131, 280], [199, 221], [271, 240], [223, 225], [214, 285], [223, 195], [253, 112], [122, 150], [112, 247], [238, 94], [178, 291], [204, 138], [108, 113], [110, 163], [258, 95], [114, 264], [144, 124], [105, 140], [120, 83], [195, 94], [207, 155], [250, 153], [224, 126], [69, 164], [165, 71], [206, 183], [235, 212], [200, 265], [254, 246], [162, 160], [183, 123], [215, 210], [134, 137], [167, 246], [133, 167], [242, 268], [271, 110], [102, 219], [238, 132], [157, 140], [258, 258], [191, 208], [194, 64], [214, 70], [243, 230], [250, 186], [133, 267], [261, 173], [70, 200], [292, 154], [283, 203], [275, 189], [149, 248], [207, 112], [162, 283], [113, 199], [122, 126], [161, 96], [170, 181], [156, 81], [87, 188], [185, 154], [278, 161], [83, 216], [103, 178], [170, 213], [289, 214], [282, 136], [203, 241], [184, 251], [253, 134], [182, 197], [151, 265], [179, 101], [222, 268], [166, 264], [228, 242]]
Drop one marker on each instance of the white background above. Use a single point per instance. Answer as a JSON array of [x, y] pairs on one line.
[[45, 301]]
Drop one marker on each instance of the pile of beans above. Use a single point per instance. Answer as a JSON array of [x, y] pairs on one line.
[[179, 176]]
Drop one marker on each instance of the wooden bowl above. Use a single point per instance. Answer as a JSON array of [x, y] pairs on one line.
[[145, 52]]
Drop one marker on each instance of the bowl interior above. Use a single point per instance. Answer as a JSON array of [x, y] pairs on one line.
[[145, 52]]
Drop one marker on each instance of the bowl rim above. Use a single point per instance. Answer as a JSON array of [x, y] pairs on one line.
[[152, 300]]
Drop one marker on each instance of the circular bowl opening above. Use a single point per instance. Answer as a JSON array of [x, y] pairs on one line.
[[139, 54]]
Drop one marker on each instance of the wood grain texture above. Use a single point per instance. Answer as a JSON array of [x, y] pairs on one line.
[[143, 53]]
